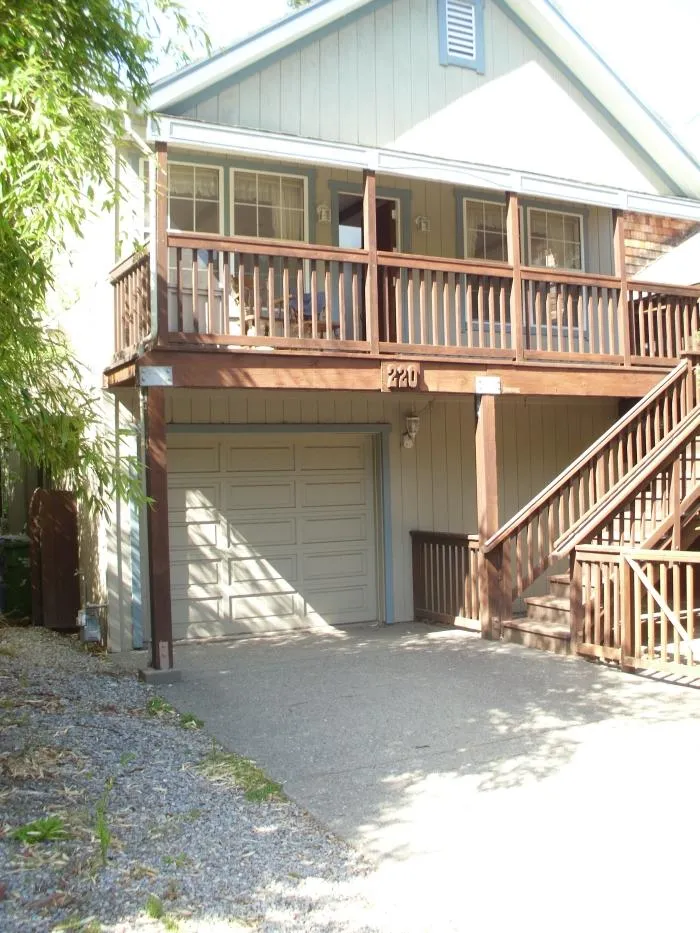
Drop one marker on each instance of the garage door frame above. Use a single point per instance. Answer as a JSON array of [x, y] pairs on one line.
[[382, 481]]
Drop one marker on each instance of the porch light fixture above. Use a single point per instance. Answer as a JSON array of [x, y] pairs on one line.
[[408, 438], [323, 214], [423, 224]]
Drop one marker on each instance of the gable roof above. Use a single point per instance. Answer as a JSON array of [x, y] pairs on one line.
[[541, 18]]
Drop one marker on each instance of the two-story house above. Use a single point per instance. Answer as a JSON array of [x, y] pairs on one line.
[[384, 293]]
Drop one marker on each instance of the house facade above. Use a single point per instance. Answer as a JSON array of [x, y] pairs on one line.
[[384, 301]]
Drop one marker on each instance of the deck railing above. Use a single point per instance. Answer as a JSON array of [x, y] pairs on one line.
[[527, 540], [445, 576], [638, 607], [131, 281], [251, 292]]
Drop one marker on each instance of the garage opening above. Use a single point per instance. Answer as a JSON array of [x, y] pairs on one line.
[[271, 532]]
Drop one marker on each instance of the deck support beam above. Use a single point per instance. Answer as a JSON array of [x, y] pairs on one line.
[[621, 273], [156, 454], [161, 243], [490, 571]]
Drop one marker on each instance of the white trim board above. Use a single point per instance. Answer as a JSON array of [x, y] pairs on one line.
[[180, 132]]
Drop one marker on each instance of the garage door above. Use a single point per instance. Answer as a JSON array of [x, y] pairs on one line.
[[270, 532]]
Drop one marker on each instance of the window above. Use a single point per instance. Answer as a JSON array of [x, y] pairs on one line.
[[461, 33], [485, 230], [266, 205], [194, 198], [555, 239]]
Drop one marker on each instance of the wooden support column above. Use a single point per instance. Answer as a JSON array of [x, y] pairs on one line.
[[623, 317], [369, 232], [514, 258], [576, 601], [156, 453], [161, 242], [490, 572]]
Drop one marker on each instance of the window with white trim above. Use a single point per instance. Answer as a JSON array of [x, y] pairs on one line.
[[555, 239], [194, 198], [461, 33], [485, 230], [268, 205]]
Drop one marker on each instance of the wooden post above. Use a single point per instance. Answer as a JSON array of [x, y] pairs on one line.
[[490, 584], [161, 241], [627, 622], [158, 540], [514, 258], [623, 317], [369, 227], [576, 601], [418, 575]]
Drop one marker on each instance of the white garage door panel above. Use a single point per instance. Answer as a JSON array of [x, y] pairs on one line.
[[254, 534], [189, 460], [320, 494], [260, 459], [335, 457], [248, 569], [327, 530], [322, 565], [282, 537], [252, 495]]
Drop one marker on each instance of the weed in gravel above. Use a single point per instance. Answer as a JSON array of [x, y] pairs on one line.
[[8, 652], [45, 829], [227, 768], [76, 925], [171, 924], [36, 762], [172, 891], [192, 815], [142, 871], [126, 758], [102, 831], [154, 907], [179, 860], [190, 721], [157, 706]]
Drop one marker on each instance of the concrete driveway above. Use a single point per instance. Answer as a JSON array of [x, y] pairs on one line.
[[491, 785]]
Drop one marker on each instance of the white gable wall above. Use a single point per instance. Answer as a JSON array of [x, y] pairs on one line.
[[377, 81]]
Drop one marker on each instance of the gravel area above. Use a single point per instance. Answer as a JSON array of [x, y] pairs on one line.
[[140, 830]]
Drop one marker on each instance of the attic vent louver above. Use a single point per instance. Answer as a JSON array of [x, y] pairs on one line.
[[461, 27]]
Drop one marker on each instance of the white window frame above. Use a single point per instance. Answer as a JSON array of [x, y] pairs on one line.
[[256, 171], [581, 226], [465, 199], [216, 168]]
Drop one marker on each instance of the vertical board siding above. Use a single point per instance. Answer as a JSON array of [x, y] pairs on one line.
[[433, 486], [377, 81]]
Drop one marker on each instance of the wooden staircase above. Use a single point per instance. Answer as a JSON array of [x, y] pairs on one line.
[[638, 486]]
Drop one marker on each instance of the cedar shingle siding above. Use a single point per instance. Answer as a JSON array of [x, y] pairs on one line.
[[647, 237]]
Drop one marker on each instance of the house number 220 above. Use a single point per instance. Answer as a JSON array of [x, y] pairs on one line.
[[400, 376]]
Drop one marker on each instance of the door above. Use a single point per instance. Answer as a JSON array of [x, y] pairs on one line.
[[350, 235], [271, 532]]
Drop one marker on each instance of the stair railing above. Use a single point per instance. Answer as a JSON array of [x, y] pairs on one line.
[[522, 549]]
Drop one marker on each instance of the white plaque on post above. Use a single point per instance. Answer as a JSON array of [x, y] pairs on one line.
[[487, 385], [156, 376]]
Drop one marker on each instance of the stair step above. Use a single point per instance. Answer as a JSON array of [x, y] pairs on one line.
[[556, 609], [559, 584], [547, 636]]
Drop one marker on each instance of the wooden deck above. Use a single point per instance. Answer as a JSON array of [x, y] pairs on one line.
[[441, 322]]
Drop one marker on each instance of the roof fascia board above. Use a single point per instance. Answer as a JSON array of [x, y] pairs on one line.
[[180, 132], [250, 51], [576, 56]]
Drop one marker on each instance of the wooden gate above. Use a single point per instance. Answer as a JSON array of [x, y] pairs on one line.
[[638, 607], [53, 534]]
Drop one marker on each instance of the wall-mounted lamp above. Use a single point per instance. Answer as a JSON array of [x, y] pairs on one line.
[[423, 224], [408, 438], [323, 214]]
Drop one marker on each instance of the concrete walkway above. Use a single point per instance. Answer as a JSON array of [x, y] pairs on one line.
[[492, 785]]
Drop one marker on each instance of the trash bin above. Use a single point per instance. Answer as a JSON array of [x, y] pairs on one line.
[[15, 576]]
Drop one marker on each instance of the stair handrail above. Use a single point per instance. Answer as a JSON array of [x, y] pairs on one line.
[[535, 505], [626, 490]]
